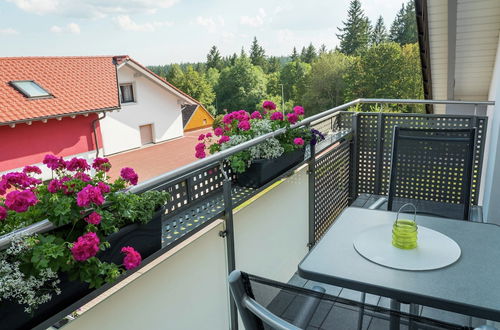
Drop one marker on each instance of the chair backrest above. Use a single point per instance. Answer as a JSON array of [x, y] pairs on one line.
[[432, 168], [264, 304]]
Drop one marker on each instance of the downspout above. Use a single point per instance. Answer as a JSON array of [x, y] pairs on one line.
[[94, 128]]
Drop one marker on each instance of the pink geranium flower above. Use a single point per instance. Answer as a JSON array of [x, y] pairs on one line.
[[298, 110], [88, 195], [298, 141], [223, 139], [4, 185], [269, 105], [208, 135], [83, 176], [101, 164], [128, 174], [228, 118], [256, 115], [3, 213], [20, 201], [104, 188], [218, 131], [32, 169], [77, 164], [200, 147], [201, 137], [53, 162], [244, 125], [54, 186], [292, 118], [132, 258], [200, 154], [85, 247], [276, 116], [94, 218]]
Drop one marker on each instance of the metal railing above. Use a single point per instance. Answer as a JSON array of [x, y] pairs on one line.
[[349, 162]]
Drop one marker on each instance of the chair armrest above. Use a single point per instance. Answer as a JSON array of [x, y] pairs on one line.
[[378, 203], [308, 308], [266, 316]]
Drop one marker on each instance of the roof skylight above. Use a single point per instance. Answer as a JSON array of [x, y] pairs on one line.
[[30, 89]]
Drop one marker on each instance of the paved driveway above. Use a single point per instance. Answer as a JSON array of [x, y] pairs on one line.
[[156, 159]]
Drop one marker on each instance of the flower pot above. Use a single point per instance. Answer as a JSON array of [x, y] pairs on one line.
[[145, 238], [261, 171]]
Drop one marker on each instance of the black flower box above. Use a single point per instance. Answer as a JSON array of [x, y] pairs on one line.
[[261, 171]]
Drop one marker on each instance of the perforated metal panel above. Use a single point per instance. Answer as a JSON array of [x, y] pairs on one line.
[[374, 144], [433, 166], [366, 135], [331, 188]]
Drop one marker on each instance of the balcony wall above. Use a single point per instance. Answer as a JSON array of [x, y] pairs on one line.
[[186, 288]]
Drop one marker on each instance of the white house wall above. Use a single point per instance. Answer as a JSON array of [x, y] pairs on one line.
[[154, 105]]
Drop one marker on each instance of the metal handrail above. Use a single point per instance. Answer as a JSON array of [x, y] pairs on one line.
[[220, 156]]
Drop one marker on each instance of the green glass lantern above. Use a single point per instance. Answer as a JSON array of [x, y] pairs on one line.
[[404, 232]]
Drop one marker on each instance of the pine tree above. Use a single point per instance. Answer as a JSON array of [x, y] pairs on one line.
[[379, 33], [309, 54], [295, 55], [257, 54], [214, 60], [404, 28], [303, 54], [243, 54], [322, 50], [355, 34], [273, 64]]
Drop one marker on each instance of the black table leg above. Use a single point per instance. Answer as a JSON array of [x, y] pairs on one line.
[[395, 320]]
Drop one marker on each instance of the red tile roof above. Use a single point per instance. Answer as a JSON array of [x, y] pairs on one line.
[[78, 84]]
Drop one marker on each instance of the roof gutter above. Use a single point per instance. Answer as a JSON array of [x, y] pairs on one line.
[[71, 114], [423, 44]]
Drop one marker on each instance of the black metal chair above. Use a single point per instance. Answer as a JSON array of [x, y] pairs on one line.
[[267, 304], [432, 168]]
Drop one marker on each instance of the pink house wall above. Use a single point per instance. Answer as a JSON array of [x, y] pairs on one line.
[[27, 144]]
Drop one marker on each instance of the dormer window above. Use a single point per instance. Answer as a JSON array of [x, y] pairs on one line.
[[30, 89], [127, 93]]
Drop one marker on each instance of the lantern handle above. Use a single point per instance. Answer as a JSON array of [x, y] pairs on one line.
[[414, 211]]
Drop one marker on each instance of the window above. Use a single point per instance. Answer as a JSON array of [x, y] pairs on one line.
[[30, 89], [127, 93]]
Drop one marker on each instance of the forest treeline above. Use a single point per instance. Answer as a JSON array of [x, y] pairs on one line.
[[370, 61]]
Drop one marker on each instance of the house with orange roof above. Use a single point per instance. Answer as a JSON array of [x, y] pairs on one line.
[[195, 117], [82, 106]]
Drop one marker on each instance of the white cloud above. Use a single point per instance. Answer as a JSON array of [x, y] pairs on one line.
[[285, 35], [254, 21], [91, 8], [8, 31], [210, 23], [74, 28], [70, 28], [56, 29], [127, 24]]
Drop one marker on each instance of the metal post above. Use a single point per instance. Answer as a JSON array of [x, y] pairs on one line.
[[379, 154], [229, 235], [354, 158], [413, 315], [311, 190], [395, 319]]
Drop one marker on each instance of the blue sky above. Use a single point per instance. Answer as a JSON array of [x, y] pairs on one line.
[[167, 31]]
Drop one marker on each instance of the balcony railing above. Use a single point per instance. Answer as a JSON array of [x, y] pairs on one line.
[[354, 159]]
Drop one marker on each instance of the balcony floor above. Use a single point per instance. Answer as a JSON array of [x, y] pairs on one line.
[[328, 316]]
